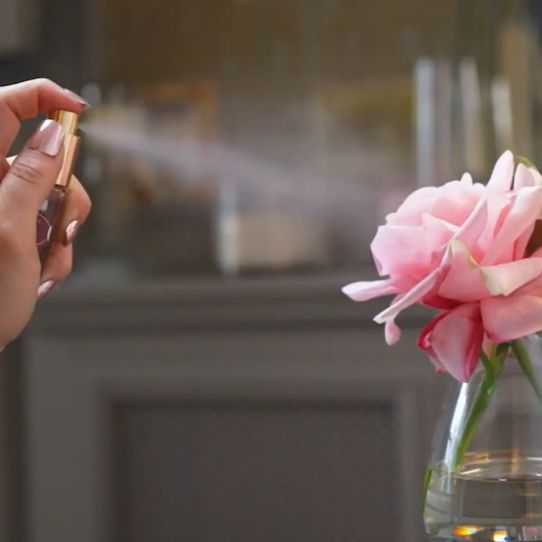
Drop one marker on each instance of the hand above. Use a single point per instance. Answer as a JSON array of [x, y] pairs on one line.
[[25, 183]]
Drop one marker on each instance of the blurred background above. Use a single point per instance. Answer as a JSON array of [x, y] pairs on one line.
[[200, 377]]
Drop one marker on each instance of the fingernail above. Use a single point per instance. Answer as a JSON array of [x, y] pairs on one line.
[[77, 98], [45, 288], [71, 231], [48, 138]]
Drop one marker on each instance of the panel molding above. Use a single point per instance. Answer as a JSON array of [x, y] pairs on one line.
[[300, 343], [213, 304]]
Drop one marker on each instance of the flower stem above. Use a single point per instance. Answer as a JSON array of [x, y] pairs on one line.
[[493, 368], [426, 482], [527, 367]]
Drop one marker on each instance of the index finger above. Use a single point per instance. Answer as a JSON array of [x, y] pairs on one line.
[[28, 99]]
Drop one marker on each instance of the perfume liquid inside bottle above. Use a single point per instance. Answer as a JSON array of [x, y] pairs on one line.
[[50, 214]]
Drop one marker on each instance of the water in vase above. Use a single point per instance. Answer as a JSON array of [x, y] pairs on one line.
[[491, 499]]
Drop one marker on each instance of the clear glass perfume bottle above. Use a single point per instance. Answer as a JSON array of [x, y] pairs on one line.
[[484, 481], [51, 211]]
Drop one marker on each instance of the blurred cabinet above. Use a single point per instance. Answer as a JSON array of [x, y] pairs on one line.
[[265, 410]]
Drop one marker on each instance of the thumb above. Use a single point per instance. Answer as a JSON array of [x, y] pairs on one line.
[[32, 176]]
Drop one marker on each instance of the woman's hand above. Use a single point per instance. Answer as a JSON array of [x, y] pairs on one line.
[[25, 184]]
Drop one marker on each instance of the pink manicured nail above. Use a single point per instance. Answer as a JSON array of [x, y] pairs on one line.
[[71, 231], [77, 98], [45, 288], [48, 138]]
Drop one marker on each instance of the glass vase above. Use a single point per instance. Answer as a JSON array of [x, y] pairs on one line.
[[484, 480]]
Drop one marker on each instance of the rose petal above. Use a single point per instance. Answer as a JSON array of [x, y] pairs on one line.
[[537, 178], [523, 177], [438, 231], [392, 333], [430, 221], [506, 278], [410, 211], [464, 281], [498, 206], [415, 294], [454, 340], [533, 288], [501, 178], [364, 290], [525, 209], [425, 344], [466, 178], [402, 253], [508, 318], [472, 228], [435, 300], [455, 201]]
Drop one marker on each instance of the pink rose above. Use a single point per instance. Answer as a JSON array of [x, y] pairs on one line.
[[462, 248]]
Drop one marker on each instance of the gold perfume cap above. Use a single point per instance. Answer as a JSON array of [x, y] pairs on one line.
[[67, 120]]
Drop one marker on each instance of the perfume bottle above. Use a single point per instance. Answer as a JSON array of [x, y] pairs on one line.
[[50, 214]]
